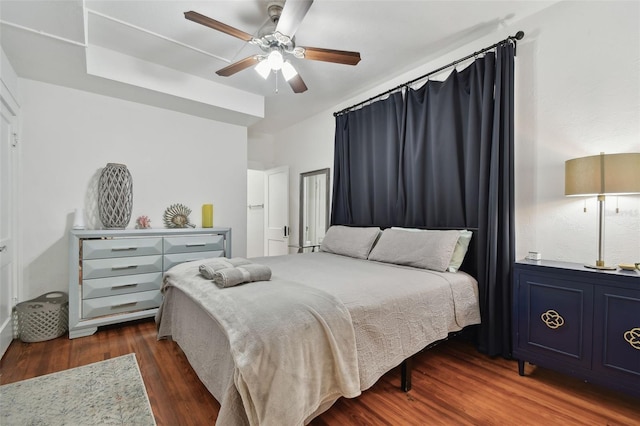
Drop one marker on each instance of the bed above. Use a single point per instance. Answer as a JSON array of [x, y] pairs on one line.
[[327, 324]]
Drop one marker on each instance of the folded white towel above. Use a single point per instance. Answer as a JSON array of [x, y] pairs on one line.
[[228, 277], [209, 266]]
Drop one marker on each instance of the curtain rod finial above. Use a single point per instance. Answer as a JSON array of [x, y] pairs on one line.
[[519, 35]]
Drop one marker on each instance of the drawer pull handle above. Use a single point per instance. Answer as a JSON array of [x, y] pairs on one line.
[[633, 337], [115, 268], [123, 305], [552, 319], [196, 245], [115, 287], [124, 248]]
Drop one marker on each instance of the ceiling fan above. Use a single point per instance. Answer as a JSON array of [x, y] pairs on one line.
[[276, 40]]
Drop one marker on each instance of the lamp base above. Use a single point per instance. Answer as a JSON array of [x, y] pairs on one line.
[[601, 267]]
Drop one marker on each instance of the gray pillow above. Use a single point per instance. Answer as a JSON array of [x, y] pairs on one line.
[[426, 249], [459, 252], [349, 241]]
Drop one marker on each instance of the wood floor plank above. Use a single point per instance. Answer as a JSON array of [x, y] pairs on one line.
[[453, 384]]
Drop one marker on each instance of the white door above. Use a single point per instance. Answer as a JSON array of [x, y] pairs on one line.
[[276, 211], [7, 246]]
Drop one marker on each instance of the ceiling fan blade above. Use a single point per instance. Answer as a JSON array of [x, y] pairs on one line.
[[292, 15], [217, 25], [238, 66], [297, 84], [329, 55]]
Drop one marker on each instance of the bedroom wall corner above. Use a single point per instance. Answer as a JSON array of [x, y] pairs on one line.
[[68, 137]]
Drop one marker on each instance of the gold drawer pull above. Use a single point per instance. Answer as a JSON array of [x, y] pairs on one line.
[[124, 248], [123, 305], [115, 268], [115, 287], [633, 337], [552, 319]]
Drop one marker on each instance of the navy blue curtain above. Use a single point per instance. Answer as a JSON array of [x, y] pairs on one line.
[[366, 164], [440, 156]]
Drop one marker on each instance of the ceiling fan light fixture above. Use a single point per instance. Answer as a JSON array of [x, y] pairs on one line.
[[298, 52], [288, 71], [263, 69], [276, 40], [275, 60]]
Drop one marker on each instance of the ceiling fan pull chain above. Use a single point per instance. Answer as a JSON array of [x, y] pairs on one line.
[[276, 73]]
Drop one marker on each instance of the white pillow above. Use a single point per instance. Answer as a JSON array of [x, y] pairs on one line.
[[460, 250], [350, 241], [426, 249]]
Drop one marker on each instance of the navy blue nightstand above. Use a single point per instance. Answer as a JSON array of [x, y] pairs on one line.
[[578, 321]]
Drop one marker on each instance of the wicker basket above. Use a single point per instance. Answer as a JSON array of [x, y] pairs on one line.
[[43, 318]]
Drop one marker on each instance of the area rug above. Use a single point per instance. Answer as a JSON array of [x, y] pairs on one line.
[[109, 392]]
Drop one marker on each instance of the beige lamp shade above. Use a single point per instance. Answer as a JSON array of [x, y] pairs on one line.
[[603, 174]]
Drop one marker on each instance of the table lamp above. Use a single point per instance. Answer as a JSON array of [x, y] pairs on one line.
[[601, 175]]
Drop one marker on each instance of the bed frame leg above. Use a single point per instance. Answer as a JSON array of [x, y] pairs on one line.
[[405, 380]]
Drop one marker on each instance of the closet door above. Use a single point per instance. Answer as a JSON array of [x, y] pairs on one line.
[[7, 237], [276, 215]]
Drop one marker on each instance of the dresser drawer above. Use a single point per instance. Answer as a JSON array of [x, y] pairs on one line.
[[552, 318], [114, 267], [170, 260], [617, 326], [101, 306], [121, 247], [112, 286], [193, 243]]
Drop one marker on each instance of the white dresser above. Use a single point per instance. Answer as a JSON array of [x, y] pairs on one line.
[[116, 275]]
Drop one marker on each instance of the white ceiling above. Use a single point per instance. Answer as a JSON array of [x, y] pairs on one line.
[[391, 36]]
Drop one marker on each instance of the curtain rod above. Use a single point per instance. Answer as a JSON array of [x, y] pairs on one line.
[[518, 36]]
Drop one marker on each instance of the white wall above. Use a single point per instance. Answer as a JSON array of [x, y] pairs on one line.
[[261, 151], [577, 94], [68, 136]]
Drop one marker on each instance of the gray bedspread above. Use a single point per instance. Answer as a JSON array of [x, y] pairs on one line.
[[396, 310], [393, 312], [293, 346]]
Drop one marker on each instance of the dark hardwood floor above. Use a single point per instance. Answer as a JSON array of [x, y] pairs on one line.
[[452, 385]]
